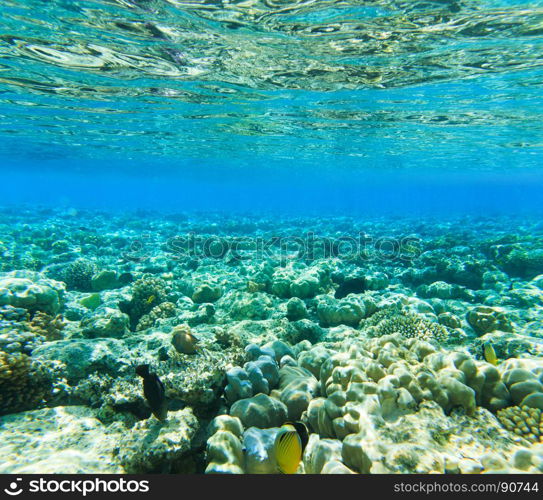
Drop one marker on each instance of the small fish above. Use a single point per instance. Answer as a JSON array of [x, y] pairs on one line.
[[490, 354], [151, 299], [289, 446], [184, 340], [153, 390]]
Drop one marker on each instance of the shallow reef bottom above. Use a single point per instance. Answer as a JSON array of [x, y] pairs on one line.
[[404, 345]]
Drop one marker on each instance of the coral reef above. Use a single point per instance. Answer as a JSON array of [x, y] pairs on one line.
[[104, 322], [259, 411], [304, 329], [297, 387], [258, 376], [24, 384], [15, 336], [49, 327], [105, 280], [524, 380], [161, 311], [386, 404], [206, 293], [147, 293], [168, 448], [224, 448], [78, 275], [304, 284], [487, 319], [380, 356], [411, 326], [348, 311], [30, 291], [296, 309], [524, 421], [523, 263]]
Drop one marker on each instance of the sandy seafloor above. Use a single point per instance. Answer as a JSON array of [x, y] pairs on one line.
[[370, 331]]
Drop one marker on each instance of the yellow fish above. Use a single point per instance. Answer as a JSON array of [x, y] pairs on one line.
[[490, 354], [289, 446], [151, 299]]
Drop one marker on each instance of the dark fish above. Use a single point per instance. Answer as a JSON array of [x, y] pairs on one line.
[[302, 431], [351, 285], [153, 390]]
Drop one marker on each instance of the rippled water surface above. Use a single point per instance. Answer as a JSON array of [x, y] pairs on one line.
[[392, 82]]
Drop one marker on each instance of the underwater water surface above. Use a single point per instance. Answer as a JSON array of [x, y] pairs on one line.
[[276, 96], [218, 217]]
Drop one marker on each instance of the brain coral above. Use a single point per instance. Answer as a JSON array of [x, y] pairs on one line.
[[384, 404], [484, 319], [31, 292], [388, 376]]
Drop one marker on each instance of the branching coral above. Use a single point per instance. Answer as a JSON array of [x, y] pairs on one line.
[[523, 421], [147, 293], [10, 313], [411, 325], [78, 275], [23, 384], [161, 311], [387, 312], [16, 336], [47, 326]]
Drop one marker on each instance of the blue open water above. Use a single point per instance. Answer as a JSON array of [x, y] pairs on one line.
[[382, 106]]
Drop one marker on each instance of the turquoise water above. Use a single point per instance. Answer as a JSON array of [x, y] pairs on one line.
[[218, 217], [281, 100]]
